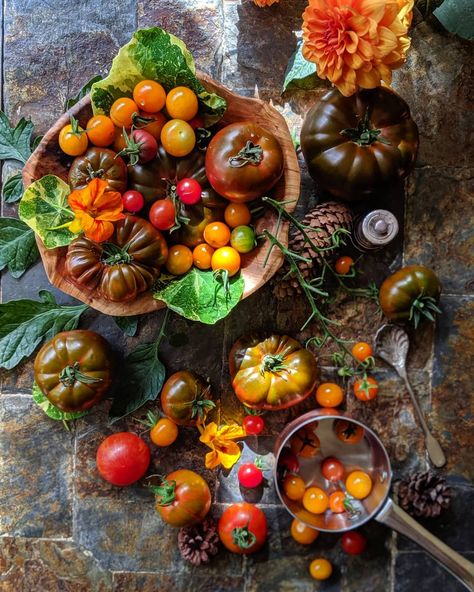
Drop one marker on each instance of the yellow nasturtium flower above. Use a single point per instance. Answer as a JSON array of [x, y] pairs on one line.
[[224, 451]]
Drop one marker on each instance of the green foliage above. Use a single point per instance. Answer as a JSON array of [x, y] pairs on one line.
[[13, 188], [300, 73], [18, 250], [129, 325], [52, 411], [15, 142], [82, 93]]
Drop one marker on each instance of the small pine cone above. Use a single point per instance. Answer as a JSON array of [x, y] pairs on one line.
[[198, 543], [424, 494], [324, 219]]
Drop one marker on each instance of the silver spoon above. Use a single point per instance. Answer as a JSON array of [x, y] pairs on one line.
[[392, 344]]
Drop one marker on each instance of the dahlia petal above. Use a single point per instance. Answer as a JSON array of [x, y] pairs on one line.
[[391, 13], [365, 49], [374, 9], [353, 60], [369, 79], [352, 40], [387, 42]]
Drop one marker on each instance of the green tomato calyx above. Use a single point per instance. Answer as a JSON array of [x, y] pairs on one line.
[[250, 154], [272, 363], [423, 307], [243, 537], [70, 374], [165, 493], [364, 134]]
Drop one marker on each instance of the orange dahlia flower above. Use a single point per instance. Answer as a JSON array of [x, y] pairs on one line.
[[356, 43], [95, 209], [263, 3]]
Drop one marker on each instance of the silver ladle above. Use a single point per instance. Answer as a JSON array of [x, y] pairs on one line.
[[392, 344]]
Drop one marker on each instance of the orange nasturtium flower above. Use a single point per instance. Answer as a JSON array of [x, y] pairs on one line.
[[95, 209], [356, 43], [263, 3], [224, 451]]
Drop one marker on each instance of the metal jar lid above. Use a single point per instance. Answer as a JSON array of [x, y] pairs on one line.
[[378, 228]]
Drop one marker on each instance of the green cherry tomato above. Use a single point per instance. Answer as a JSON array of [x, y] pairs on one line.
[[243, 239]]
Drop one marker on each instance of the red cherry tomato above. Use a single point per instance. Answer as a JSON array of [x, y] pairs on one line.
[[250, 476], [189, 191], [162, 214], [343, 265], [133, 201], [332, 469], [253, 424], [353, 542], [122, 458], [288, 461]]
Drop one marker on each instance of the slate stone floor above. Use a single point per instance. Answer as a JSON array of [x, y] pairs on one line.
[[65, 530]]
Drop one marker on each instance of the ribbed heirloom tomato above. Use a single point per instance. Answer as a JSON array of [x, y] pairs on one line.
[[243, 528], [102, 163], [122, 458], [185, 398]]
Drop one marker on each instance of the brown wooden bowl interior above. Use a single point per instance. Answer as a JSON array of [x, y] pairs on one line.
[[48, 159]]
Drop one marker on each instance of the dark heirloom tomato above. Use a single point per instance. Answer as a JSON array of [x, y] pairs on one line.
[[158, 179], [243, 161], [243, 528], [73, 370], [122, 268], [102, 163], [355, 146], [183, 498], [185, 398], [411, 293], [271, 373]]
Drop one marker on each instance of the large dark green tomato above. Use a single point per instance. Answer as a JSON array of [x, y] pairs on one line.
[[73, 370], [356, 146], [410, 294], [157, 180], [185, 398], [102, 163]]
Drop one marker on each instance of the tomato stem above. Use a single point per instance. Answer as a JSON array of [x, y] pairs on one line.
[[364, 134], [70, 374], [272, 363], [250, 154], [243, 537], [166, 492], [423, 306]]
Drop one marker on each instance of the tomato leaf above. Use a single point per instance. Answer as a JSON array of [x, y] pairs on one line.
[[82, 93], [300, 73], [157, 55], [457, 16], [25, 324], [52, 411], [44, 207], [18, 250], [15, 142], [199, 296], [129, 325], [13, 188]]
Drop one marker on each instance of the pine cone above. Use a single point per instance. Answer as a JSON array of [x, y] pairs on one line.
[[198, 543], [424, 494], [325, 219]]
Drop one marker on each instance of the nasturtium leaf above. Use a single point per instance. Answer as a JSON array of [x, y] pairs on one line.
[[44, 207], [129, 325], [300, 73], [82, 93], [199, 296], [457, 16], [18, 250], [15, 142], [157, 55], [52, 411], [13, 188]]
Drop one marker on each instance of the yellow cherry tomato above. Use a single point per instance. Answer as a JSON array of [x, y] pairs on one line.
[[149, 96], [73, 139], [294, 486], [359, 484], [182, 103], [329, 394], [180, 259], [217, 234], [315, 500], [226, 258], [237, 214], [362, 350], [122, 111], [178, 137], [320, 569], [202, 256], [164, 432], [100, 130], [303, 534]]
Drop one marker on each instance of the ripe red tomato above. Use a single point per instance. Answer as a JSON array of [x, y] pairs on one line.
[[253, 424], [361, 351], [250, 475], [332, 469], [122, 111], [189, 191], [133, 201], [343, 265], [122, 458], [366, 388], [162, 214], [353, 542], [149, 96], [305, 442], [140, 147], [100, 130], [243, 528]]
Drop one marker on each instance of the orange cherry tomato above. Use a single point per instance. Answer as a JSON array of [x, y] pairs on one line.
[[320, 569], [119, 140], [178, 137], [237, 214], [226, 258], [217, 234], [361, 351], [294, 486], [349, 432], [359, 484], [154, 126], [305, 443], [332, 469], [303, 534], [73, 139], [182, 103], [122, 111], [149, 96], [336, 502], [315, 500], [100, 130], [343, 265], [202, 256], [164, 432], [366, 388], [180, 259], [329, 394]]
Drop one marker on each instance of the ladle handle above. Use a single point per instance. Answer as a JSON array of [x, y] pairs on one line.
[[393, 516]]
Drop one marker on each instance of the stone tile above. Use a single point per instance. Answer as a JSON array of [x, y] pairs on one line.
[[150, 582], [421, 572], [439, 222], [35, 482], [29, 565], [199, 24], [452, 383]]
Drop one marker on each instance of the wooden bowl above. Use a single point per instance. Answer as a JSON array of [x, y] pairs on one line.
[[47, 159]]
